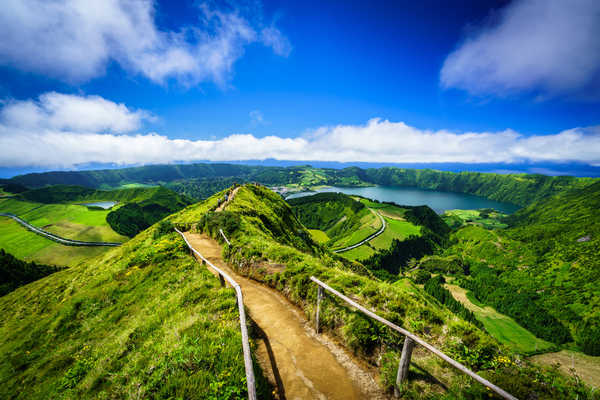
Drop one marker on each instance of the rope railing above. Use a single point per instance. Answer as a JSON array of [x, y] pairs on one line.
[[409, 343], [223, 276]]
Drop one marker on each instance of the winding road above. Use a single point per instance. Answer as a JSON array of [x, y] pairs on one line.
[[383, 226], [58, 239]]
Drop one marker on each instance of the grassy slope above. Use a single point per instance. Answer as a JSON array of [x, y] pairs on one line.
[[541, 252], [346, 225], [262, 236], [318, 236], [344, 220], [144, 320], [500, 326]]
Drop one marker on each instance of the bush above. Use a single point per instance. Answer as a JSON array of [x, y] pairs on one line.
[[163, 228], [422, 276], [588, 336]]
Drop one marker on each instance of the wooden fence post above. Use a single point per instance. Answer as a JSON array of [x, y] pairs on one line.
[[404, 365], [319, 297], [221, 280]]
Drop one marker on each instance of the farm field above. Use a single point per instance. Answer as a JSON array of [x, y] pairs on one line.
[[359, 253], [67, 220], [28, 246], [369, 224], [488, 219], [500, 326], [395, 229], [586, 367]]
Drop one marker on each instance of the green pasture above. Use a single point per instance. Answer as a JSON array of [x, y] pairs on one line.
[[28, 246], [318, 235], [395, 229], [488, 220], [359, 253], [505, 329]]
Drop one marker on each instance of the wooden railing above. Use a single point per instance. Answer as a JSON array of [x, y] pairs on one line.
[[409, 343], [223, 276]]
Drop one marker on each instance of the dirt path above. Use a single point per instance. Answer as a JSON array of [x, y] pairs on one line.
[[230, 197], [299, 363]]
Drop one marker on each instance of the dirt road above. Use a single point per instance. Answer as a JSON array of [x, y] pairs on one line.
[[299, 363]]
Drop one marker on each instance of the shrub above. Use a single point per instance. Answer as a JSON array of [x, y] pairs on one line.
[[422, 276], [588, 336]]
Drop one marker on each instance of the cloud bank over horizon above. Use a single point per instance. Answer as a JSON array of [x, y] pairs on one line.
[[60, 131], [75, 40], [549, 47]]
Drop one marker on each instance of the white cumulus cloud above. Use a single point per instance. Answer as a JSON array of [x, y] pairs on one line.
[[63, 112], [75, 40], [545, 46], [66, 130]]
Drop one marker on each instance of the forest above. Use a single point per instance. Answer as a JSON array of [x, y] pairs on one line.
[[15, 273], [520, 189]]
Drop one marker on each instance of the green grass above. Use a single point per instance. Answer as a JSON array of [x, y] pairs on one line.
[[358, 253], [503, 328], [134, 186], [318, 235], [142, 321], [369, 224], [395, 229], [458, 218], [17, 207], [28, 246], [67, 220], [263, 228]]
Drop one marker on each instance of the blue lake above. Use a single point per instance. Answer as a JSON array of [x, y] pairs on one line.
[[437, 200], [103, 204]]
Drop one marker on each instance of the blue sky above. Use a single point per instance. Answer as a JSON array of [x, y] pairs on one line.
[[501, 82]]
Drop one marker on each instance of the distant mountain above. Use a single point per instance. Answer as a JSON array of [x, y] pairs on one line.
[[201, 180]]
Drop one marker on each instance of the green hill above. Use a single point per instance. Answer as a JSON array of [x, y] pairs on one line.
[[344, 220], [260, 238], [145, 320], [201, 180], [15, 272], [143, 206], [543, 270]]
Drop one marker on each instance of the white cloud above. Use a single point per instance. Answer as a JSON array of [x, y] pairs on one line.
[[64, 131], [62, 112], [273, 38], [548, 46], [75, 40]]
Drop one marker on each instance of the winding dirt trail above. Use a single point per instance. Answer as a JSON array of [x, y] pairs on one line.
[[300, 364]]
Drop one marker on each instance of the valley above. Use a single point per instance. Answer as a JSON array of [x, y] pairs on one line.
[[279, 244]]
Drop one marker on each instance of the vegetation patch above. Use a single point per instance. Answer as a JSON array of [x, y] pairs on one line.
[[254, 244], [144, 320]]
